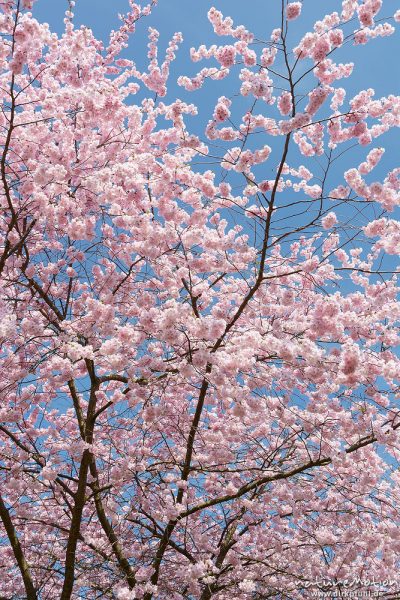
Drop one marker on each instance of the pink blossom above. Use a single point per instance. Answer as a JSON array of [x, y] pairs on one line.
[[321, 48], [373, 158], [316, 98], [224, 26], [249, 57], [268, 56], [299, 120], [314, 191], [196, 324], [225, 55], [375, 228], [221, 111], [285, 103], [365, 15], [329, 220], [336, 37], [293, 10], [350, 359]]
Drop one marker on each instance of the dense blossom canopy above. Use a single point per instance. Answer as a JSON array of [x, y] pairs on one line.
[[197, 332]]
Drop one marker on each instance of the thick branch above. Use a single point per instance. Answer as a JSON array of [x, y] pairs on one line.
[[109, 531], [74, 532], [18, 552]]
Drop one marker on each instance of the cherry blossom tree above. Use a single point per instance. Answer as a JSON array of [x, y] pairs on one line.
[[198, 331]]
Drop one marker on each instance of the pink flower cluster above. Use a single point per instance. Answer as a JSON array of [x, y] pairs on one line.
[[310, 139], [329, 220], [388, 230], [350, 360], [364, 35], [242, 161], [386, 193], [202, 52], [327, 71], [156, 79], [221, 110], [118, 39], [285, 103], [321, 49], [354, 179], [338, 99], [293, 10], [367, 11], [228, 134], [313, 46], [258, 84], [195, 83], [296, 122], [373, 158], [316, 99], [225, 55], [249, 56], [268, 56], [27, 43], [348, 9], [224, 26]]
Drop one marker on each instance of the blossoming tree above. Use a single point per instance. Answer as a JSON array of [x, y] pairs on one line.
[[198, 332]]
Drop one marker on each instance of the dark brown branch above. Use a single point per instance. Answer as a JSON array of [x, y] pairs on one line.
[[74, 532], [109, 531], [18, 552]]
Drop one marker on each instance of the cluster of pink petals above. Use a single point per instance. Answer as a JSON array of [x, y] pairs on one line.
[[388, 230], [224, 26], [27, 44], [195, 83], [367, 11], [366, 34], [227, 134], [316, 99], [225, 55], [242, 161], [329, 220], [373, 158], [119, 38], [327, 71], [221, 110], [310, 139], [293, 10], [313, 45], [268, 56], [123, 270], [296, 122], [258, 84], [386, 193], [285, 103]]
